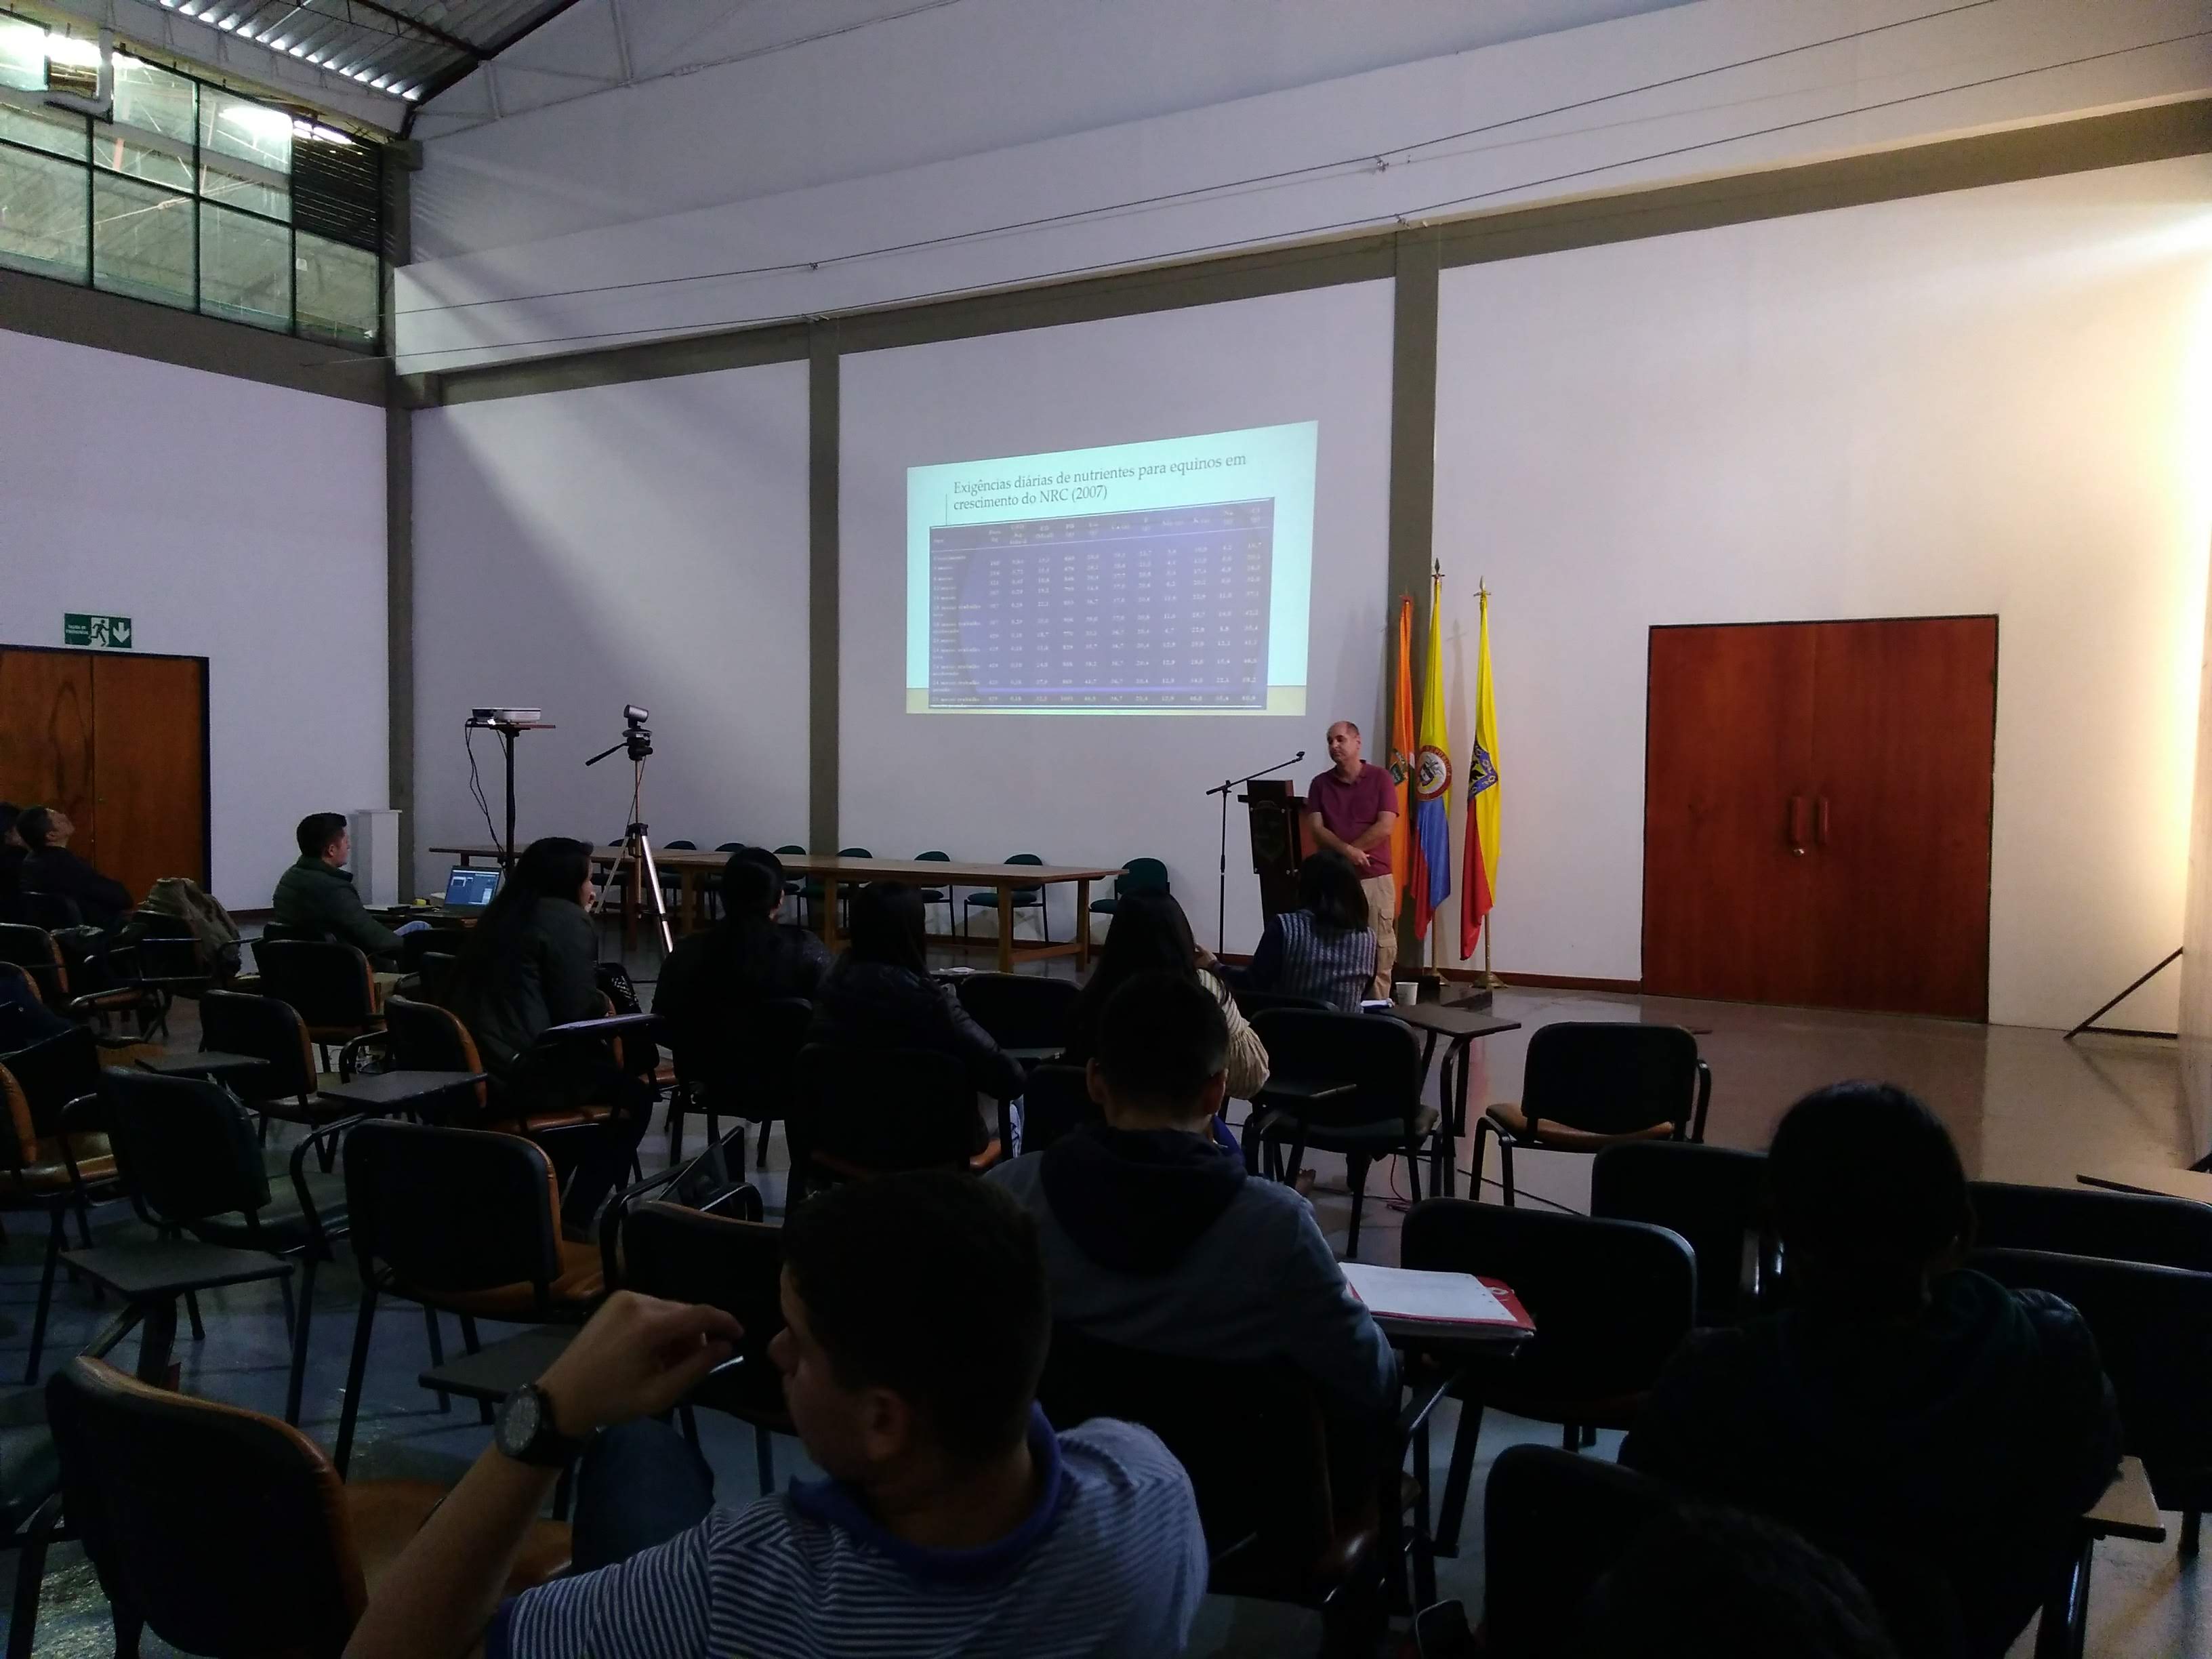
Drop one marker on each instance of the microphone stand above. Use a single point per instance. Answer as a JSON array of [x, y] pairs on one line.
[[1221, 891]]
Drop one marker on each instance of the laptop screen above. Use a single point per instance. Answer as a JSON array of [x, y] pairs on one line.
[[470, 890]]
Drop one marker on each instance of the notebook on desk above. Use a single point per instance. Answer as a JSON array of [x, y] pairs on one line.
[[1433, 1298]]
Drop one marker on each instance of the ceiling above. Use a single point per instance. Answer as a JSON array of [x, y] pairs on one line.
[[375, 60], [408, 49]]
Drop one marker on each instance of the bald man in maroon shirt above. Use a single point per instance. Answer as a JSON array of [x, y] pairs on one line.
[[1352, 807]]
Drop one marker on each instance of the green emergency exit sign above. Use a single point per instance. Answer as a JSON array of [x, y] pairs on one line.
[[112, 632]]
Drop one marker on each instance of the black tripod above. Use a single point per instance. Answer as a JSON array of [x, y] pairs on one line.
[[1221, 892], [636, 854]]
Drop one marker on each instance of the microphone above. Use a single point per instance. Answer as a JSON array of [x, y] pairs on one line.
[[1300, 756]]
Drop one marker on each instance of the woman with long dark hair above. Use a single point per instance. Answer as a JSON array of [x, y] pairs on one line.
[[1324, 948], [879, 995], [1150, 933], [530, 964]]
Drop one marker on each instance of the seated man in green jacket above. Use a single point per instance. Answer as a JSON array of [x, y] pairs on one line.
[[317, 892]]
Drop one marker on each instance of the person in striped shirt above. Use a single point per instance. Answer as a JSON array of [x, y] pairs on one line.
[[1324, 948], [954, 1520]]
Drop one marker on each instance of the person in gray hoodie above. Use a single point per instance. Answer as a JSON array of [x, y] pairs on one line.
[[1155, 1239]]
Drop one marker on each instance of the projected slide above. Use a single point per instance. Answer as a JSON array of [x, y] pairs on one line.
[[1168, 577]]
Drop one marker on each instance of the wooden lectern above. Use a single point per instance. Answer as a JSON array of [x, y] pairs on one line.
[[1278, 823]]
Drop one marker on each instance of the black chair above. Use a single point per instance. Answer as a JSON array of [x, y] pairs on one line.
[[1026, 1014], [1587, 1084], [225, 1531], [169, 1189], [190, 1159], [288, 1089], [459, 1221], [2170, 1232], [1056, 1102], [39, 954], [30, 1506], [714, 889], [684, 1255], [41, 1175], [1285, 1520], [1552, 1523], [1021, 898], [1715, 1197], [1138, 876], [947, 896], [746, 1073], [1610, 1299], [2154, 1330], [1340, 1083], [811, 890], [858, 1115], [794, 888], [332, 986]]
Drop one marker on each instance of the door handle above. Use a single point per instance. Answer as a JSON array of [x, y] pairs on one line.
[[1820, 822], [1797, 829]]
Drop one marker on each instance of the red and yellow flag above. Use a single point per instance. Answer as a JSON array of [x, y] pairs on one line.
[[1479, 881], [1401, 749]]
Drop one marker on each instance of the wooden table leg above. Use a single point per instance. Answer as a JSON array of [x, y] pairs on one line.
[[830, 913], [1082, 923], [1006, 928], [687, 899]]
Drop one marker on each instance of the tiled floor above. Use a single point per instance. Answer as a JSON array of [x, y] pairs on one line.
[[2023, 1105]]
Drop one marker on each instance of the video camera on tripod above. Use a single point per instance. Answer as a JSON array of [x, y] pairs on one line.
[[637, 742]]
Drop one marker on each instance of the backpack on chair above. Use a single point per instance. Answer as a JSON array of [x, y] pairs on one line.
[[216, 933]]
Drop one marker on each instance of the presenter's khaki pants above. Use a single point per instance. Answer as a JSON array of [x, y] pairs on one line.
[[1383, 916]]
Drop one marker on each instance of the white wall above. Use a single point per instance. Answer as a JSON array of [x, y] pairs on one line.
[[582, 550], [907, 180], [229, 519], [1101, 790], [1989, 401]]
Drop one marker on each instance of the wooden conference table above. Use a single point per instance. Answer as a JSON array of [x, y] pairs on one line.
[[694, 870]]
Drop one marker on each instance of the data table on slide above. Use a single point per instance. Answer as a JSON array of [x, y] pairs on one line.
[[1159, 608]]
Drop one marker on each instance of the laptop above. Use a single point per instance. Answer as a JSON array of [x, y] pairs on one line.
[[468, 890]]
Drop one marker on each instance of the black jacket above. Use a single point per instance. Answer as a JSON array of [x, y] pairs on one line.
[[872, 1005], [1968, 1441], [101, 900], [548, 977], [710, 975], [312, 893]]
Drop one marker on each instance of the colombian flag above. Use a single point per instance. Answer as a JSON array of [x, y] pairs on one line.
[[1429, 870], [1478, 882], [1402, 751]]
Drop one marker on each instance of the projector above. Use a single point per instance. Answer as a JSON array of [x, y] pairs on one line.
[[506, 716]]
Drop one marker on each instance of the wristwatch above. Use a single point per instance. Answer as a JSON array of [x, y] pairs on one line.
[[526, 1431]]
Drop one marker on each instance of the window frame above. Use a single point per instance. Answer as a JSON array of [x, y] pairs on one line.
[[197, 155]]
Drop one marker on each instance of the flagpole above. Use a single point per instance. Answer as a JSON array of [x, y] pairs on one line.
[[1435, 928], [1490, 981]]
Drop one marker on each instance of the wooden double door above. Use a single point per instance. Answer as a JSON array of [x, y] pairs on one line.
[[1817, 800], [119, 742]]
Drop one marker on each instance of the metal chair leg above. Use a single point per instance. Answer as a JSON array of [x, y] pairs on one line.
[[1355, 1177], [55, 1236], [1465, 1438], [296, 1384], [437, 1352], [485, 1414], [2192, 1521], [349, 1412], [30, 1574], [192, 1307]]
